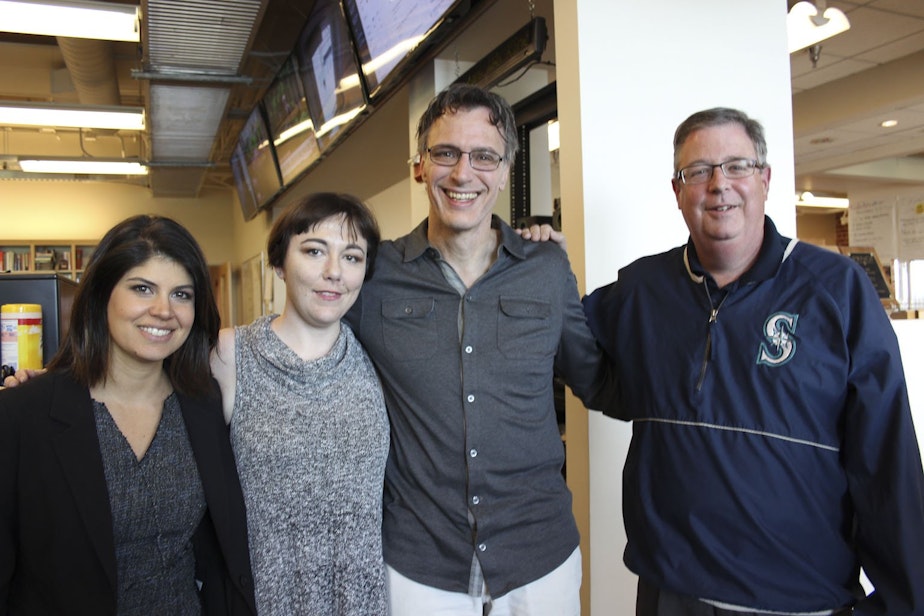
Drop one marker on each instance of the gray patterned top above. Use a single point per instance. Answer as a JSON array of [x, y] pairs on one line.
[[311, 440], [157, 503]]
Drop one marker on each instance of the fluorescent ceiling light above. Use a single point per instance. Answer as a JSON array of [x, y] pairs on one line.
[[71, 116], [74, 18], [807, 199], [83, 165], [807, 25]]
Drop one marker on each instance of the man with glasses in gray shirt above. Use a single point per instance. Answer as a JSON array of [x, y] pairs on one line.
[[467, 324]]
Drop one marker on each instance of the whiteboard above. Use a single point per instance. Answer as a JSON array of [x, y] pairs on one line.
[[872, 223], [910, 220]]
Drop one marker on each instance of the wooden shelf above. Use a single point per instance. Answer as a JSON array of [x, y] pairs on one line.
[[64, 257]]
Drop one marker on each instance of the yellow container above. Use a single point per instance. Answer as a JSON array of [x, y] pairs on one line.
[[21, 335]]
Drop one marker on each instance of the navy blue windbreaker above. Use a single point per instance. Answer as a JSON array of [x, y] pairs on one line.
[[773, 451]]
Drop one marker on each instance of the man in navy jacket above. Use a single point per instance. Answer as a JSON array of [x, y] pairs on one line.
[[773, 452]]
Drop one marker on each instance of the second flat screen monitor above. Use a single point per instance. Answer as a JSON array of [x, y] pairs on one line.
[[290, 125]]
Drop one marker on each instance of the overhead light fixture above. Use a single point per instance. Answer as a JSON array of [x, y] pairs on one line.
[[808, 25], [74, 18], [88, 166], [807, 199], [519, 51], [71, 116], [888, 123]]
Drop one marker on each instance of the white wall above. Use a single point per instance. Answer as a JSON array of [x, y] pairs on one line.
[[910, 335], [628, 73], [87, 210]]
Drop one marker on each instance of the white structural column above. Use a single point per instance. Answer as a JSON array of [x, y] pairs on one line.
[[628, 73]]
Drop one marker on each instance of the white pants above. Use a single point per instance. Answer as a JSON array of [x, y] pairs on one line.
[[557, 593]]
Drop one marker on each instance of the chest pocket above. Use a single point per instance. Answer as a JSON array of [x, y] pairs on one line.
[[409, 327], [524, 328]]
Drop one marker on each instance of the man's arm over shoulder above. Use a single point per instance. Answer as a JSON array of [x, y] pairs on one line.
[[580, 361]]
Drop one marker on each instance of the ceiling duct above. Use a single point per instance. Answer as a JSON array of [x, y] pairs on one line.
[[91, 65], [193, 54]]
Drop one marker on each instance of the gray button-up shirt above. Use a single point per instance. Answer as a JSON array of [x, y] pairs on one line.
[[476, 456]]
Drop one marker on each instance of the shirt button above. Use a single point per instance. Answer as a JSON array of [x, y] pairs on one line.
[[482, 547], [470, 398], [475, 500], [468, 349], [473, 453], [408, 310]]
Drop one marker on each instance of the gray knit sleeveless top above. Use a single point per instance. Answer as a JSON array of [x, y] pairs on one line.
[[311, 440]]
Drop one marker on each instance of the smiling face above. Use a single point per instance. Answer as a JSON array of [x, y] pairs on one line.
[[462, 198], [324, 270], [725, 216], [150, 312]]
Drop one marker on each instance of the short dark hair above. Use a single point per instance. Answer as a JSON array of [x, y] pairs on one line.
[[719, 116], [132, 242], [467, 97], [310, 211]]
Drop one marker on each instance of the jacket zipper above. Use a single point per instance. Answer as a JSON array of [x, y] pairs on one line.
[[713, 317]]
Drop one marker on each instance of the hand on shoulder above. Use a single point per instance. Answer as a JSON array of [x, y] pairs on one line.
[[543, 233], [21, 376]]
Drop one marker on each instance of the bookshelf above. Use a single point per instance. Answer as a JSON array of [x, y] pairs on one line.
[[64, 257]]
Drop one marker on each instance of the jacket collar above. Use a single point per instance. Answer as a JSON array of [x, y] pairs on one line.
[[774, 250]]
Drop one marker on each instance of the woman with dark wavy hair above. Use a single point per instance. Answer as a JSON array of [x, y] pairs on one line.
[[118, 488]]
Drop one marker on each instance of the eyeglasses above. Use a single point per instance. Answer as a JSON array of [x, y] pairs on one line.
[[448, 156], [733, 169]]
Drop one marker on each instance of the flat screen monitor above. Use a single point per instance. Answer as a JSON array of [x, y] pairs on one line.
[[327, 67], [249, 207], [387, 33], [259, 158], [290, 125]]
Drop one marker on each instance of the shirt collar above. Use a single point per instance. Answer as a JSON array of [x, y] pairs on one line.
[[418, 245]]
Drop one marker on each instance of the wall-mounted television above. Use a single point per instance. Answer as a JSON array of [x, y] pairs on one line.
[[249, 207], [290, 126], [387, 33], [328, 70], [260, 158]]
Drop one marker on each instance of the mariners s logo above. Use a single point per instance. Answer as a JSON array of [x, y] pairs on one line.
[[780, 345]]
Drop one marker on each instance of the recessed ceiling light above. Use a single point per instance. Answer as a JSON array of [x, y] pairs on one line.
[[888, 123]]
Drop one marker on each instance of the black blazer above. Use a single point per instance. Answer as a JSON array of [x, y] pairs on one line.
[[57, 552]]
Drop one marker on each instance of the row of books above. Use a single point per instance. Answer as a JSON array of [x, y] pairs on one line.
[[14, 261]]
